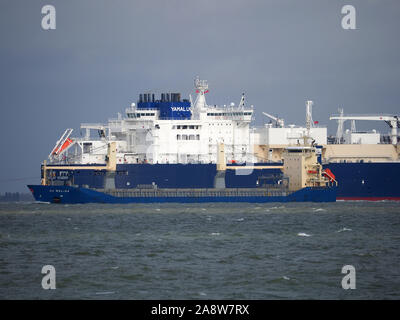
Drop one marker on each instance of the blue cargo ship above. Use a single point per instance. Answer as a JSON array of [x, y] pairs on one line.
[[357, 181], [294, 183], [170, 143], [73, 195]]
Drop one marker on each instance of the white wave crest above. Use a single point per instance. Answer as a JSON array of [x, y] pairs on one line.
[[344, 229], [302, 234]]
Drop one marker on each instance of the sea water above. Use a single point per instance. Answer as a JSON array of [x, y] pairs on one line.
[[200, 251]]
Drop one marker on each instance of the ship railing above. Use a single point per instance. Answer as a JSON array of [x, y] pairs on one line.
[[91, 138], [315, 126], [139, 109], [331, 183], [384, 139], [175, 118], [93, 125], [205, 192], [229, 108]]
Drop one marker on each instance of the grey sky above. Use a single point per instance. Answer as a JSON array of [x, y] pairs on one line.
[[104, 53]]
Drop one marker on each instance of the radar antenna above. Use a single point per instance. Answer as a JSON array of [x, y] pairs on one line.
[[201, 89], [201, 85], [242, 101]]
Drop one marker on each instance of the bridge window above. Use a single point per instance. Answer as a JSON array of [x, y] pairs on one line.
[[87, 147]]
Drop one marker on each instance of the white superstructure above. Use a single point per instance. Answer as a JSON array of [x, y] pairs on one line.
[[145, 136], [291, 135], [171, 131]]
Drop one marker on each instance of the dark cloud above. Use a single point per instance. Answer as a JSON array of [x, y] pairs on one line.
[[104, 53]]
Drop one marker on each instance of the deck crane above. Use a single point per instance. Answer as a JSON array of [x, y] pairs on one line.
[[280, 123], [392, 120]]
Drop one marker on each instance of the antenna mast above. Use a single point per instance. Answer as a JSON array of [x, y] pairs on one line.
[[241, 103], [201, 89], [339, 132], [309, 121]]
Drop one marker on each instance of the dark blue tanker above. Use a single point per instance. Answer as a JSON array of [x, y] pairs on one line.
[[356, 181]]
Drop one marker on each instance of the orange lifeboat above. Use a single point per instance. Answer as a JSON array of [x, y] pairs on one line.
[[328, 173]]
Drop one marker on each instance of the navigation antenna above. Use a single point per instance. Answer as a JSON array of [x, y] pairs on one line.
[[201, 85], [201, 89], [241, 103], [309, 121]]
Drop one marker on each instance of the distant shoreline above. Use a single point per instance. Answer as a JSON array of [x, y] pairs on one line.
[[16, 197]]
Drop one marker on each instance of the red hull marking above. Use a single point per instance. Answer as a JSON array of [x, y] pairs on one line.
[[369, 198]]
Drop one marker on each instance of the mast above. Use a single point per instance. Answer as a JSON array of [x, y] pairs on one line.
[[242, 102], [309, 121], [201, 89], [339, 132]]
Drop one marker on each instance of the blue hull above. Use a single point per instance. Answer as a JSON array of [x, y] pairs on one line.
[[356, 181], [71, 195], [367, 181]]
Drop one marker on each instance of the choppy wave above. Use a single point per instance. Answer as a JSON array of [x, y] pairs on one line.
[[344, 229], [303, 234], [227, 251]]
